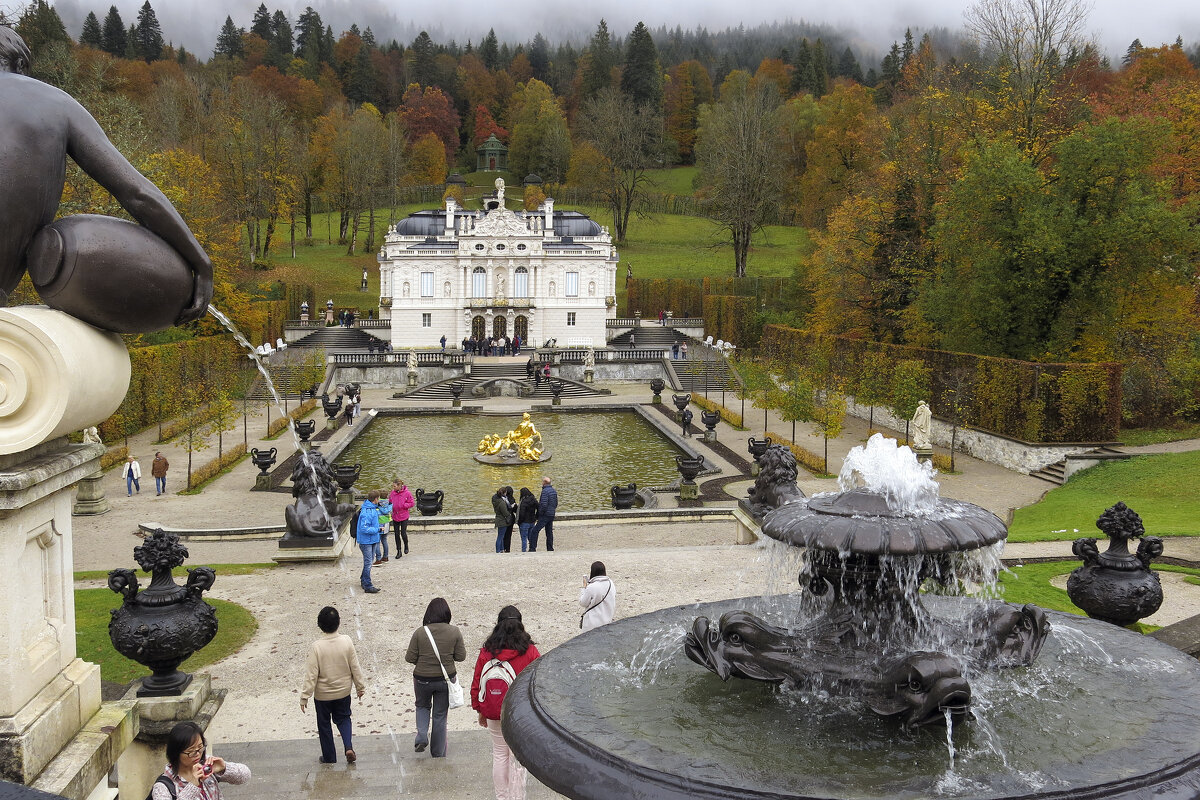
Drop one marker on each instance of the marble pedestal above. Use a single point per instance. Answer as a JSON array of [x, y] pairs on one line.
[[689, 491], [90, 500]]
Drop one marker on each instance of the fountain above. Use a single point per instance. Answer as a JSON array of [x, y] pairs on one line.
[[860, 685], [522, 445]]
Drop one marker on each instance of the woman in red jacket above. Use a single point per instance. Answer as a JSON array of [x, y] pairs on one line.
[[506, 652]]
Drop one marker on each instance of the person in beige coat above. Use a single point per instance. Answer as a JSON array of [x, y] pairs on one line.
[[331, 668]]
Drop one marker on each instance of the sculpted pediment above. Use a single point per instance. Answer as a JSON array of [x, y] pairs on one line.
[[501, 222]]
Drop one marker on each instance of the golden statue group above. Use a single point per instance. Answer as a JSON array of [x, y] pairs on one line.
[[525, 442]]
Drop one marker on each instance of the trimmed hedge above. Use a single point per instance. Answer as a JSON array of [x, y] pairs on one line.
[[1030, 401], [685, 296], [732, 417], [206, 472], [813, 462], [299, 412], [113, 456], [730, 318]]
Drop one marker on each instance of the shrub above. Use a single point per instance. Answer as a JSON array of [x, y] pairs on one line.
[[114, 456], [206, 472], [813, 462], [297, 413], [732, 417]]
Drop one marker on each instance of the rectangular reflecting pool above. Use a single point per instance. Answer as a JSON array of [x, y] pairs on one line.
[[590, 452]]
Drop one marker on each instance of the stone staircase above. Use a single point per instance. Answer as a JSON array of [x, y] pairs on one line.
[[651, 336], [1056, 473], [697, 374], [339, 340], [487, 369]]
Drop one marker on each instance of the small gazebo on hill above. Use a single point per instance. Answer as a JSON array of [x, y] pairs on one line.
[[491, 156]]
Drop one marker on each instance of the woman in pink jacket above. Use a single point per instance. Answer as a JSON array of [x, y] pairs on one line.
[[402, 500]]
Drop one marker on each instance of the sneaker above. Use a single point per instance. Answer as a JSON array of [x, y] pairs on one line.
[[377, 562], [420, 746], [350, 756], [384, 561], [371, 589]]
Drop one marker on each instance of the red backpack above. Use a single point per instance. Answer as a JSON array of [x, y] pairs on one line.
[[494, 681]]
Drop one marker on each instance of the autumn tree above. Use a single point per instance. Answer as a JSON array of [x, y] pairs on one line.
[[430, 110], [739, 156], [426, 163], [628, 137], [845, 144], [540, 142], [688, 87], [485, 126]]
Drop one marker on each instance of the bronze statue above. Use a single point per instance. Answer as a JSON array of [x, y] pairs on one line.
[[524, 441], [102, 270]]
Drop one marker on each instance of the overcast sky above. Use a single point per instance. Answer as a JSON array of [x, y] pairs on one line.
[[874, 23]]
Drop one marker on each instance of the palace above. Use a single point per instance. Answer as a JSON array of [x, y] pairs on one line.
[[538, 275]]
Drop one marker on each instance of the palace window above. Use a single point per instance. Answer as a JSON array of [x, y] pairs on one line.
[[427, 320], [426, 284], [572, 285], [521, 282], [479, 282], [570, 318]]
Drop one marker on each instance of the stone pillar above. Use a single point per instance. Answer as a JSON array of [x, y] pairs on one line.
[[588, 376], [89, 497], [689, 491], [923, 453]]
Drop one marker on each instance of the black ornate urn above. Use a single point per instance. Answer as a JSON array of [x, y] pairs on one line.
[[163, 625], [1117, 586], [758, 446], [656, 386], [623, 497], [710, 419], [263, 459], [456, 390], [689, 468], [556, 388], [346, 475], [681, 401], [305, 429], [429, 503], [332, 407]]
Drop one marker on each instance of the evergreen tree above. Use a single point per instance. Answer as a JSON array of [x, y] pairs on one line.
[[261, 24], [423, 68], [40, 26], [539, 56], [1132, 52], [489, 50], [368, 38], [327, 45], [848, 66], [279, 54], [820, 60], [114, 38], [229, 40], [131, 43], [506, 56], [802, 75], [361, 83], [601, 60], [641, 79], [149, 34], [92, 36], [308, 33], [908, 49]]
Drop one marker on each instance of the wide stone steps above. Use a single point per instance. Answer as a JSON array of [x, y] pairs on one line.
[[513, 368], [649, 335], [339, 340], [1056, 473], [697, 374]]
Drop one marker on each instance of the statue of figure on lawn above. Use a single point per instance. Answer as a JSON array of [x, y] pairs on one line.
[[921, 429]]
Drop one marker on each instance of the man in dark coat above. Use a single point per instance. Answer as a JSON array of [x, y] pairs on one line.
[[547, 506]]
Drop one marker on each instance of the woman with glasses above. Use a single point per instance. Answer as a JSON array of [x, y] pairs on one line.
[[192, 774]]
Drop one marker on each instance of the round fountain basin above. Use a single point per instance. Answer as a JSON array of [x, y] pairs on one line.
[[861, 521], [620, 712]]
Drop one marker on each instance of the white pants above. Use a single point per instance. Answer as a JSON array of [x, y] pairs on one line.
[[507, 773]]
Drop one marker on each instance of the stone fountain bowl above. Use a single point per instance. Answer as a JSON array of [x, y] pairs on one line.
[[1103, 713], [860, 521]]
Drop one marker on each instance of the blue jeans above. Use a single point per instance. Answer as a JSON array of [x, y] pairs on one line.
[[131, 483], [548, 524], [368, 552], [432, 696], [382, 544], [339, 712], [500, 538], [525, 527], [160, 484]]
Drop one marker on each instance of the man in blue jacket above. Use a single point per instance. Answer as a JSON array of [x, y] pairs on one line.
[[547, 505], [367, 534]]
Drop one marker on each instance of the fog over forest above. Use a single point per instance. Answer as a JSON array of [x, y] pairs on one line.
[[871, 25]]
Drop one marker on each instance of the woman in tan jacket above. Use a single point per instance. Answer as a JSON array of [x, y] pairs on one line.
[[332, 666]]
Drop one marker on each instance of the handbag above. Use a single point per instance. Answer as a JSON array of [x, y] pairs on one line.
[[455, 690], [583, 616]]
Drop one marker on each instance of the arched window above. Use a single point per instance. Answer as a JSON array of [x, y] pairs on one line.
[[521, 282], [479, 282]]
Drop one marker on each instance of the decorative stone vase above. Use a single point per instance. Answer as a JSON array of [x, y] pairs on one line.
[[331, 407], [710, 419], [556, 389], [1117, 586], [429, 503], [305, 429], [758, 446], [456, 390], [656, 386], [263, 459], [689, 467], [623, 497], [681, 401], [346, 476], [163, 625]]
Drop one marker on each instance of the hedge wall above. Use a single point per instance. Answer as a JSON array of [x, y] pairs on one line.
[[731, 319], [1025, 400], [685, 296]]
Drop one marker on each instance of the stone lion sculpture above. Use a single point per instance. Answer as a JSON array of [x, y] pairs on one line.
[[776, 482], [316, 512]]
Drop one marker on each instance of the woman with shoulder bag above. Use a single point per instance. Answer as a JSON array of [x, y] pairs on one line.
[[507, 651], [527, 511], [504, 517], [598, 598], [434, 648]]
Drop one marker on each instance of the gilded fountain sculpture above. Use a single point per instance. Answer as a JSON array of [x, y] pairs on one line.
[[522, 445]]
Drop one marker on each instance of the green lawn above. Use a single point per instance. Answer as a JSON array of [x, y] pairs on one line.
[[92, 607], [1135, 437], [1161, 488], [677, 180]]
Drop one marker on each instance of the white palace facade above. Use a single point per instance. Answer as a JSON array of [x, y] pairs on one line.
[[456, 273]]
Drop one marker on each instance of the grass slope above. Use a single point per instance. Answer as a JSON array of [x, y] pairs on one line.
[[92, 606], [1161, 488]]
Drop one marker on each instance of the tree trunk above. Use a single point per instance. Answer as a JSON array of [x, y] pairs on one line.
[[308, 229], [871, 424], [369, 244], [270, 235], [189, 475], [293, 234], [353, 235], [825, 466]]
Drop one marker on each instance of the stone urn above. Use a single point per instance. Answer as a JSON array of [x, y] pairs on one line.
[[346, 475], [456, 390], [429, 503], [689, 467], [305, 429], [681, 401], [263, 459], [710, 419], [623, 497], [758, 446], [656, 386], [331, 407], [163, 625], [556, 389], [1117, 586]]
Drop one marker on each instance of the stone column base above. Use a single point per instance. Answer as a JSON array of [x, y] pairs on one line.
[[33, 736], [556, 401], [331, 424], [710, 436], [657, 400], [456, 403], [412, 379], [89, 497], [345, 497], [924, 454], [588, 376], [262, 482], [689, 491]]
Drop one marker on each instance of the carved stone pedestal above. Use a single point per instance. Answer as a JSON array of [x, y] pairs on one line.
[[557, 401], [588, 376], [331, 424], [412, 379], [689, 491], [924, 453], [710, 436], [262, 483], [89, 497], [456, 403]]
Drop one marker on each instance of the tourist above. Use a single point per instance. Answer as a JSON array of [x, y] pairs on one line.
[[443, 341], [470, 348], [465, 343], [158, 469], [504, 516], [683, 350], [512, 507], [516, 343], [331, 668], [529, 369], [190, 773], [674, 350], [367, 534], [547, 506], [402, 501], [527, 510], [546, 371], [598, 598], [662, 317], [507, 651], [632, 341], [385, 520], [434, 648], [132, 473], [348, 412]]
